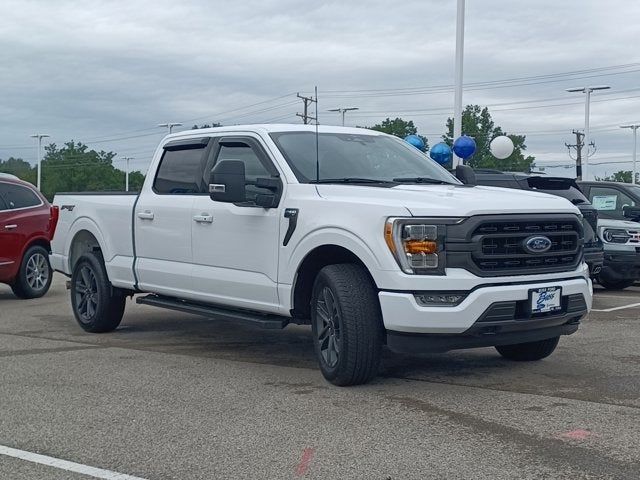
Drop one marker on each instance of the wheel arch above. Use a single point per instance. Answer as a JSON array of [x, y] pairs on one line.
[[308, 269], [83, 241]]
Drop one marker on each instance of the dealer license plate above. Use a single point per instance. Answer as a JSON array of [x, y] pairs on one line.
[[547, 299]]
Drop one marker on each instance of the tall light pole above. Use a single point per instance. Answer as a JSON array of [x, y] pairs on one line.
[[587, 103], [39, 136], [126, 176], [343, 111], [633, 127], [169, 125], [457, 103]]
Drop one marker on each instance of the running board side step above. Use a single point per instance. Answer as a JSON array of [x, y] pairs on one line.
[[268, 321]]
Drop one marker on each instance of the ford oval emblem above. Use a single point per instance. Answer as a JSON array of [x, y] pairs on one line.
[[537, 244]]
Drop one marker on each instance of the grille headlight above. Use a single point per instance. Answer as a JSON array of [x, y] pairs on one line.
[[417, 245], [615, 235]]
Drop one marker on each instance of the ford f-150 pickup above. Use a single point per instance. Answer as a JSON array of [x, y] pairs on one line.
[[352, 231]]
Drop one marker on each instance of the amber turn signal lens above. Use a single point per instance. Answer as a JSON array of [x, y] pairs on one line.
[[388, 237], [420, 246]]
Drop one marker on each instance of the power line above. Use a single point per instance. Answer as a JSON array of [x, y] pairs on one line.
[[487, 85]]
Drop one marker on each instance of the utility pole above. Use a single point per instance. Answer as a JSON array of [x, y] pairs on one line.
[[579, 148], [169, 125], [307, 102], [633, 127], [126, 177], [587, 103], [343, 111], [39, 136]]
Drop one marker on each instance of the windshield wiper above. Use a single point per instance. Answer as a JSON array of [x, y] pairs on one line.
[[353, 180], [421, 180]]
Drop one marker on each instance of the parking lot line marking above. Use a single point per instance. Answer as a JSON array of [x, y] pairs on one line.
[[65, 464], [578, 434], [631, 305], [303, 466]]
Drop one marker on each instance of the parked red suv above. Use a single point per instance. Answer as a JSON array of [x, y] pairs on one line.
[[27, 224]]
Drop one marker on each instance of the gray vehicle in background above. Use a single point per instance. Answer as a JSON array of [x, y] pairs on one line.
[[618, 206]]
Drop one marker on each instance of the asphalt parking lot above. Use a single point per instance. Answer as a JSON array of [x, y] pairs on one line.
[[173, 396]]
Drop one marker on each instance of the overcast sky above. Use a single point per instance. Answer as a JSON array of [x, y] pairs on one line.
[[106, 73]]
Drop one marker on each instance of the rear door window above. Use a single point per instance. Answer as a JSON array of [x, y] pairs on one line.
[[17, 196], [180, 171]]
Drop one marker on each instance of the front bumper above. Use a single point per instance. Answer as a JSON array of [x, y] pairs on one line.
[[621, 266], [402, 313]]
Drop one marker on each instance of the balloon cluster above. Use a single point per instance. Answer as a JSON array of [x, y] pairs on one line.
[[464, 147]]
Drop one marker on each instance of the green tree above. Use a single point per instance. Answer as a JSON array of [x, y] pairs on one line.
[[623, 176], [76, 168], [478, 124], [400, 128], [19, 168], [206, 125]]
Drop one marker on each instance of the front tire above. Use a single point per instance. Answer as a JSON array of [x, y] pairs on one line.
[[347, 324], [97, 305], [529, 352], [614, 284], [35, 275]]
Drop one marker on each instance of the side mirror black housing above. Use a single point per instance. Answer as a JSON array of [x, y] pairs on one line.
[[466, 175], [630, 212], [227, 182]]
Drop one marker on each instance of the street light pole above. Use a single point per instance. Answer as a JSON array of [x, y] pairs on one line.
[[343, 111], [457, 103], [169, 125], [633, 127], [39, 136], [587, 103], [126, 177]]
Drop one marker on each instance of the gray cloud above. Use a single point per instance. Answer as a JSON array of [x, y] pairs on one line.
[[105, 70]]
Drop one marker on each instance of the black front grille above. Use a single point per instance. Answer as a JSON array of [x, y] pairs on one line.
[[502, 244], [494, 245]]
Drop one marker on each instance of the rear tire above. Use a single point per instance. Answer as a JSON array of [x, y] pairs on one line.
[[97, 305], [529, 352], [347, 324], [35, 274], [615, 284]]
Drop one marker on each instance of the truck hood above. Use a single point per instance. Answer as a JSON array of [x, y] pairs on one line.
[[450, 200]]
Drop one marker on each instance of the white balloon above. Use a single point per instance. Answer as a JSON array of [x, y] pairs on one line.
[[501, 147]]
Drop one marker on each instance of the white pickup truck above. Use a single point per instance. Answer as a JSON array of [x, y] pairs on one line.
[[352, 231]]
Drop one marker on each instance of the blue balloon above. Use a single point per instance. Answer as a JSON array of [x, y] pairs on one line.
[[464, 147], [441, 153], [416, 141]]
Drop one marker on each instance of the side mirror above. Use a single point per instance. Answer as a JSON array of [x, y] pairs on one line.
[[632, 213], [227, 182], [466, 175]]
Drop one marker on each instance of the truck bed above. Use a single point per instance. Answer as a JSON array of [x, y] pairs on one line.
[[108, 216]]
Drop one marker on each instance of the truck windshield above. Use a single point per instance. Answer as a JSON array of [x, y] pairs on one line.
[[354, 158]]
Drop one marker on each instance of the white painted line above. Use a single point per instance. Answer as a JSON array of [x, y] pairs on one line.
[[631, 305], [65, 465]]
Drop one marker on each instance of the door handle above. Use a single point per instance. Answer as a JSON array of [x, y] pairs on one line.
[[204, 218], [10, 227], [146, 215]]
